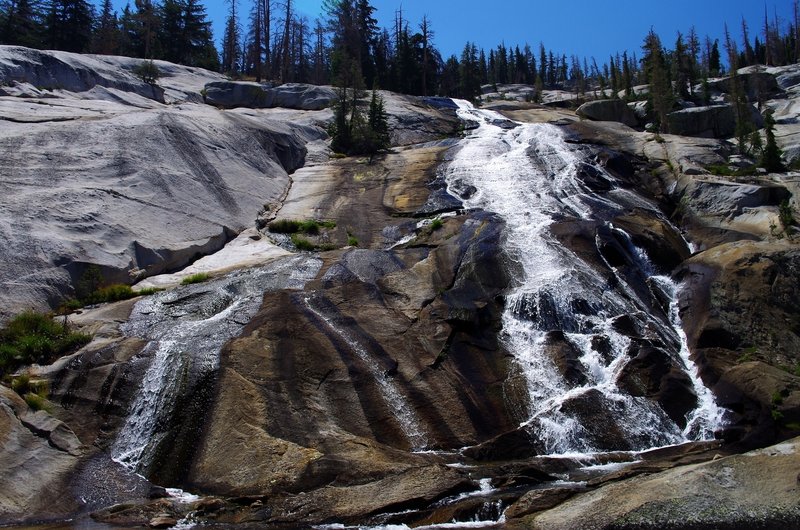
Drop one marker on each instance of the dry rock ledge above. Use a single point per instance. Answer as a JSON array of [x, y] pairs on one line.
[[290, 427]]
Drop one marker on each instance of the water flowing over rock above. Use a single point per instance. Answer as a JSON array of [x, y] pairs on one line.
[[532, 178]]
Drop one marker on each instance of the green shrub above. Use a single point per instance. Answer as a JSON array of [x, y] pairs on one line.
[[724, 170], [352, 241], [200, 277], [292, 226], [36, 402], [302, 243], [113, 293], [284, 226], [786, 214], [436, 224], [147, 71], [33, 392], [32, 337]]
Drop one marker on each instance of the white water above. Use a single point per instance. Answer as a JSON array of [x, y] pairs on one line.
[[392, 396], [186, 329], [528, 175]]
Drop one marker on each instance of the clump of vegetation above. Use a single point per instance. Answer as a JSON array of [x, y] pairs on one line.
[[32, 337], [147, 71], [199, 277], [302, 243], [91, 289], [771, 154], [291, 226], [33, 392], [724, 170], [436, 224], [352, 240], [351, 132], [786, 214]]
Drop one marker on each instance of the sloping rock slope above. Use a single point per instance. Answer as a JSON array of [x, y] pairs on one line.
[[100, 168], [347, 385]]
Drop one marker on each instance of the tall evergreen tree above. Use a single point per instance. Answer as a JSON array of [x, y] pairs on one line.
[[681, 67], [231, 51], [469, 73], [20, 23], [771, 155], [105, 40], [660, 95], [68, 25]]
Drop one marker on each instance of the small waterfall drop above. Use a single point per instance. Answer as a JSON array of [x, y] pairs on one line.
[[186, 329], [528, 175]]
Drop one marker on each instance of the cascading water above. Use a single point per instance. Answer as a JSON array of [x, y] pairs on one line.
[[528, 175], [186, 329]]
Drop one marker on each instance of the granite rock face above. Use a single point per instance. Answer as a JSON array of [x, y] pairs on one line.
[[609, 110], [231, 94], [125, 183]]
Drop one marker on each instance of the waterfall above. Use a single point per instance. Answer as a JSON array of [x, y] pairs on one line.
[[186, 329], [528, 175]]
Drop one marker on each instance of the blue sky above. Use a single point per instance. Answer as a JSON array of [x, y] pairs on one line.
[[582, 27]]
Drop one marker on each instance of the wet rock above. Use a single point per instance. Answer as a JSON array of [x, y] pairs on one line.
[[34, 471], [653, 374], [540, 500], [608, 110], [162, 521], [410, 489], [566, 358], [56, 432], [594, 408], [740, 305], [753, 490], [664, 245]]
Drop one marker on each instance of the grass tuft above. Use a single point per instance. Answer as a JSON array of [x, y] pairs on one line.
[[200, 277]]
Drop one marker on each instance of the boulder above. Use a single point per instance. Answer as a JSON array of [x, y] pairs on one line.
[[34, 468], [609, 110], [232, 94], [716, 121], [758, 85]]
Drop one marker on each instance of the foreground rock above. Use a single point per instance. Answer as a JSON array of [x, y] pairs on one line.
[[752, 490]]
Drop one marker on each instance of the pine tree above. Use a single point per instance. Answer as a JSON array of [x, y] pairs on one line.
[[105, 40], [469, 73], [231, 52], [20, 23], [660, 96], [198, 37], [146, 29], [681, 67], [771, 155], [68, 25]]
